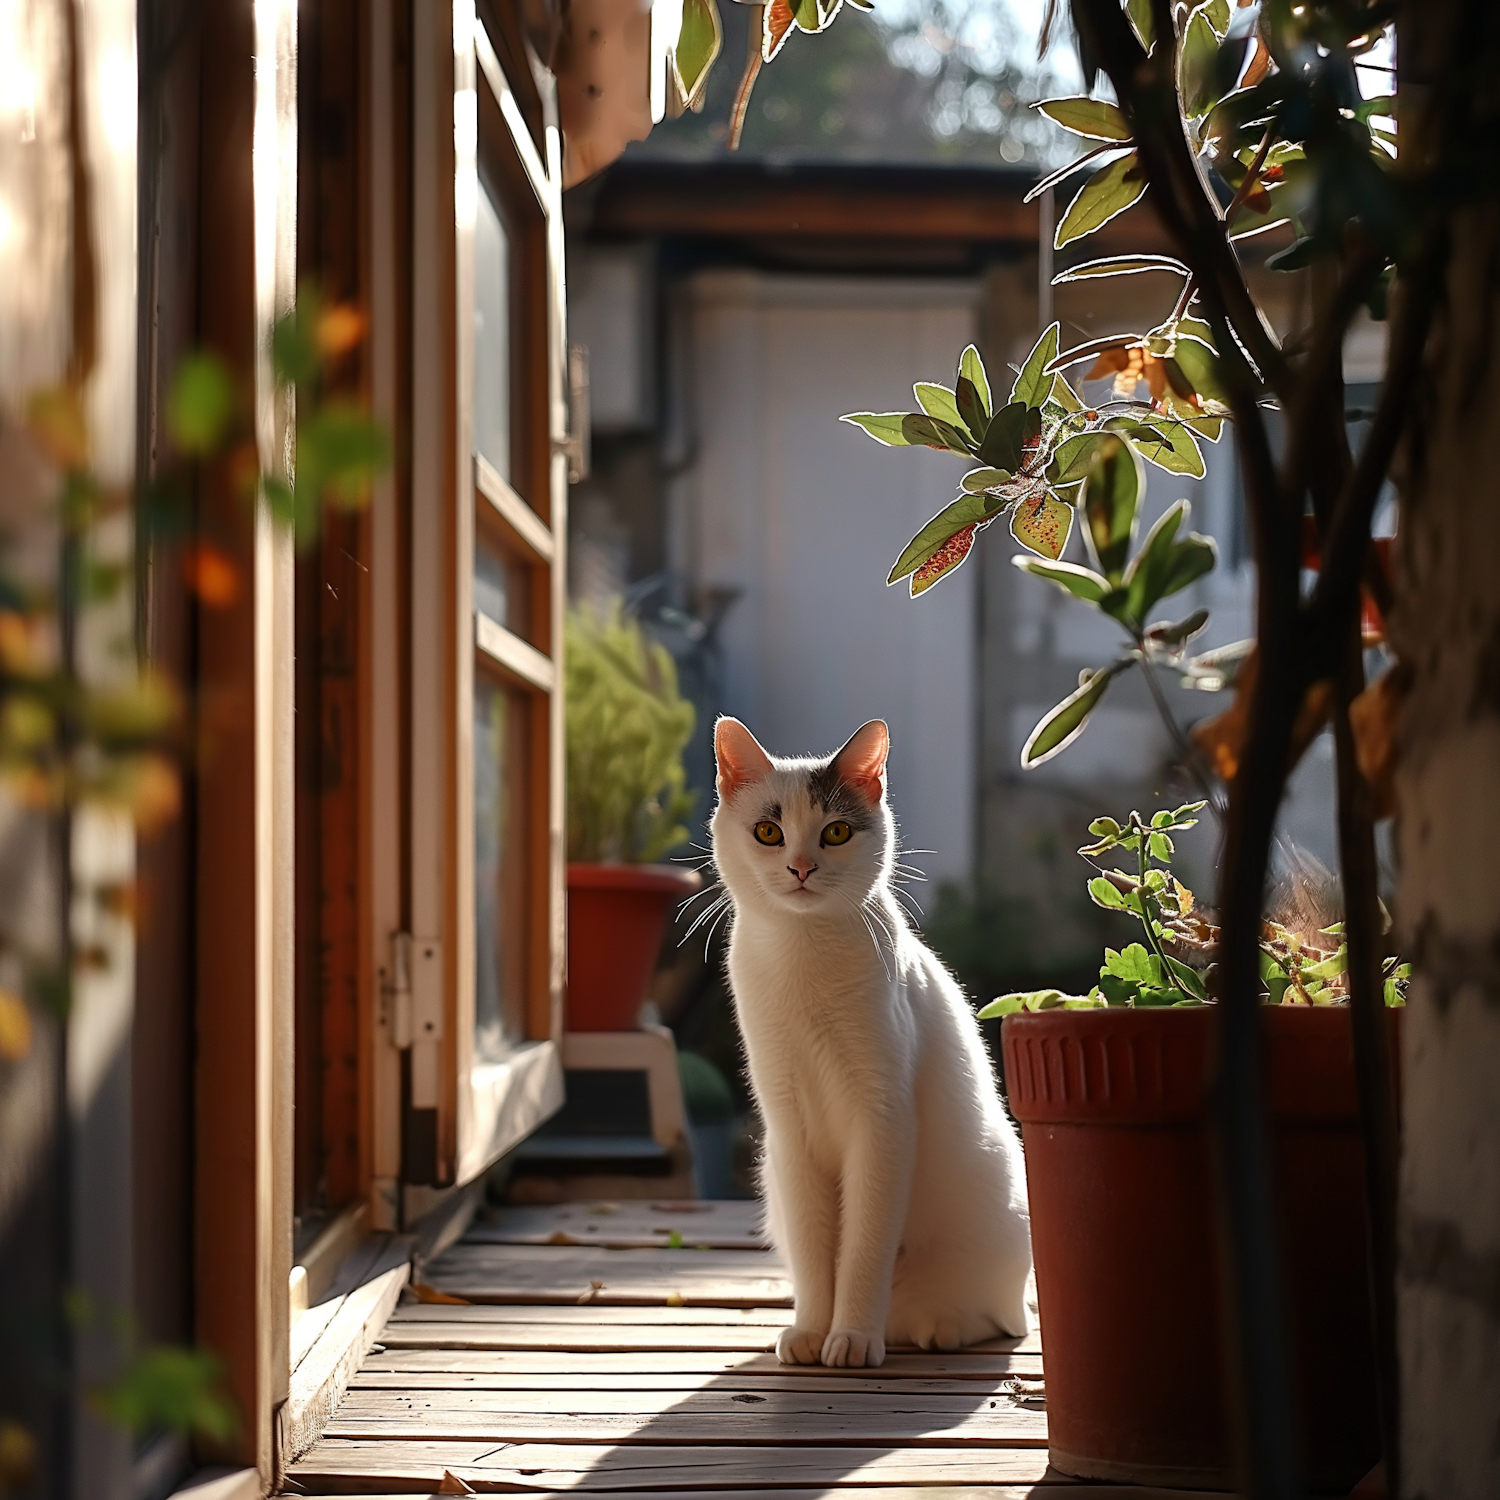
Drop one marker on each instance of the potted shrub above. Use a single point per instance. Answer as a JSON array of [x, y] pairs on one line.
[[1112, 1093], [626, 729]]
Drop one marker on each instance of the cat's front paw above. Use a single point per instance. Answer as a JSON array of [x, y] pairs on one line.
[[799, 1346], [846, 1347]]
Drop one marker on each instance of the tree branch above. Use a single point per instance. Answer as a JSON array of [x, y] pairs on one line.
[[1147, 89], [1348, 534]]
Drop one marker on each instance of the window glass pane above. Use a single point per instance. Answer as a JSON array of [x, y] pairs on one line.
[[491, 335], [502, 588], [499, 869]]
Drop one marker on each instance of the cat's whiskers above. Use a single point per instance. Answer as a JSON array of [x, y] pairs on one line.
[[912, 904], [707, 890], [864, 916], [703, 916], [869, 905], [709, 936]]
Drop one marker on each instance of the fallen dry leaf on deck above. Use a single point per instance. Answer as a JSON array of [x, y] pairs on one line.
[[424, 1293]]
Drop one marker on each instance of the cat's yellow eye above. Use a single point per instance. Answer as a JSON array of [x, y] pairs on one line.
[[837, 833], [769, 833]]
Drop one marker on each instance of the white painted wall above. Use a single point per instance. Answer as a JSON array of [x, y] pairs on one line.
[[805, 516]]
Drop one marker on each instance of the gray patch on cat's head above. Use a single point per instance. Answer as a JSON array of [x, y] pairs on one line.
[[827, 788]]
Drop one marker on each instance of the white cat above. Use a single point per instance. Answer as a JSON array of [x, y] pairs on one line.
[[893, 1178]]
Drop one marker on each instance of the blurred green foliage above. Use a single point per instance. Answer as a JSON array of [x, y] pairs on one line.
[[177, 1389], [627, 726]]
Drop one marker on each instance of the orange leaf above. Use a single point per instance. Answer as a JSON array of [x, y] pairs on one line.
[[154, 791], [15, 1027], [1109, 362], [18, 654], [778, 23], [340, 329], [211, 575], [1221, 740]]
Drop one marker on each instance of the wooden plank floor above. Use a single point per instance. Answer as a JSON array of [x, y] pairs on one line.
[[629, 1350]]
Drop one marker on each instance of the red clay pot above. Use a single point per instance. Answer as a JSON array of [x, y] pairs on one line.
[[1120, 1171], [617, 915]]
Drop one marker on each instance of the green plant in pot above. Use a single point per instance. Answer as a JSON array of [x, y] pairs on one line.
[[1112, 1091], [627, 804]]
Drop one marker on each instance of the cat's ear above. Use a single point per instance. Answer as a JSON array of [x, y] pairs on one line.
[[861, 763], [740, 757]]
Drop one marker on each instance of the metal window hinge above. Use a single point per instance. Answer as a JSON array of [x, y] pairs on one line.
[[576, 445], [414, 991]]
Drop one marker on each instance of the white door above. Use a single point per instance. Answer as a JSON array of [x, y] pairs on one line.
[[804, 515]]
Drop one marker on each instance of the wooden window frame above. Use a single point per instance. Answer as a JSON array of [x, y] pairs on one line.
[[482, 1108]]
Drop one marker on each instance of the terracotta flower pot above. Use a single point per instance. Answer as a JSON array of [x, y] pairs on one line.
[[617, 915], [1120, 1170]]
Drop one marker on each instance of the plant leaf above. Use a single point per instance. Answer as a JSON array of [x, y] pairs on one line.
[[971, 409], [971, 368], [1064, 395], [698, 45], [1174, 637], [1121, 265], [929, 432], [1066, 722], [1197, 73], [775, 28], [1103, 197], [1111, 504], [936, 400], [1133, 962], [905, 429], [1164, 565], [884, 426], [1198, 362], [1096, 119], [1034, 384], [1073, 458], [976, 481], [1165, 441], [1043, 525], [944, 560], [200, 404], [1001, 448], [967, 510], [1188, 977], [1106, 894], [1140, 17], [1081, 583]]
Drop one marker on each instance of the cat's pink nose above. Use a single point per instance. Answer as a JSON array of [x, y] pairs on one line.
[[802, 871]]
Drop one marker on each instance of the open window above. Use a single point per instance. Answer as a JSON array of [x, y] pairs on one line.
[[479, 984]]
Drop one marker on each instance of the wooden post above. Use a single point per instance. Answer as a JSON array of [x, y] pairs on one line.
[[244, 803]]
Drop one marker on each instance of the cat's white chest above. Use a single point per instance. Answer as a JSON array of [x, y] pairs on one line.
[[823, 1025]]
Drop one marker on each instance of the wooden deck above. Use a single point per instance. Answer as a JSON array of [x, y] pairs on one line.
[[628, 1348]]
